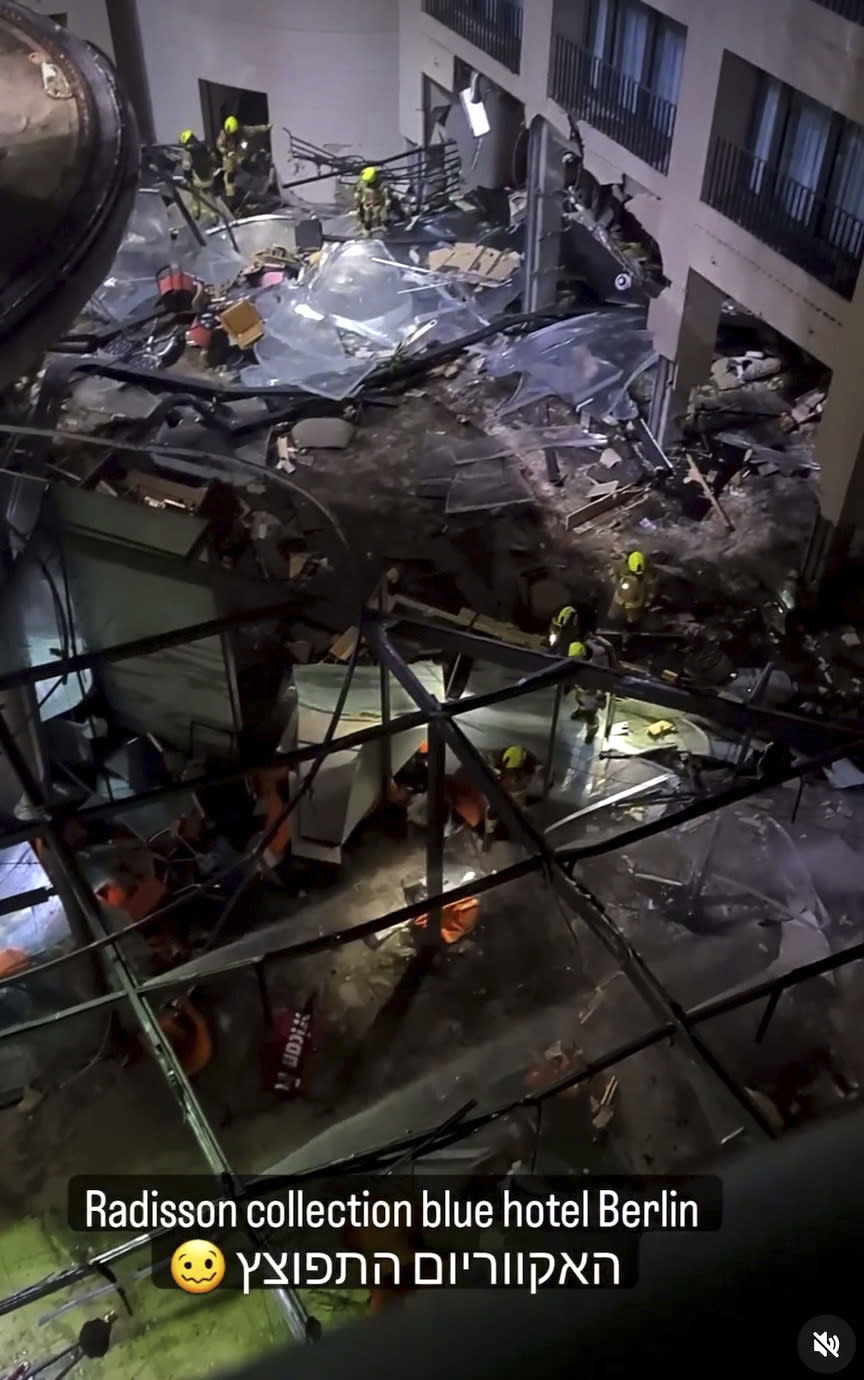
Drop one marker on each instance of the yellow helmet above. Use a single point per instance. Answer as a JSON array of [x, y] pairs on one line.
[[231, 125], [565, 616], [636, 563], [187, 136], [514, 758], [369, 175], [577, 649]]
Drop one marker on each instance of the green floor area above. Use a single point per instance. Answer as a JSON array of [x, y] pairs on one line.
[[169, 1333], [119, 1121]]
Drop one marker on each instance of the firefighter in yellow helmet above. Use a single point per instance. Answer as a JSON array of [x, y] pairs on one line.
[[588, 704], [199, 168], [232, 143], [372, 201], [634, 585], [563, 628], [515, 768]]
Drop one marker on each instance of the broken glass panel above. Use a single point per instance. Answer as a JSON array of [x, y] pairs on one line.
[[487, 484]]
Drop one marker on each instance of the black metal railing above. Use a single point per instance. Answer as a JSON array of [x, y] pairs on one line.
[[493, 25], [847, 9], [612, 102], [811, 231]]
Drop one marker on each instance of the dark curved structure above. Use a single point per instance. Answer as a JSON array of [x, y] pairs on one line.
[[68, 172]]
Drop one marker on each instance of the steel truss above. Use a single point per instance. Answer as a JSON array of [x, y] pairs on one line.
[[822, 741]]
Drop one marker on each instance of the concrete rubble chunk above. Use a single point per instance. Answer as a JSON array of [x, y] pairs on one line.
[[322, 433]]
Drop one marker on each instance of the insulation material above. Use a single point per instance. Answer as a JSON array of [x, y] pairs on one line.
[[349, 784]]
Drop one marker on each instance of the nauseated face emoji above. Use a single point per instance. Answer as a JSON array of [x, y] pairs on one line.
[[198, 1267]]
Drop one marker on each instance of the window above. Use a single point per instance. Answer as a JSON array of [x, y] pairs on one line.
[[813, 157], [793, 175], [642, 45]]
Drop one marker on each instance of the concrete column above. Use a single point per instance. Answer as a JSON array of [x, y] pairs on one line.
[[686, 335], [840, 452], [536, 48]]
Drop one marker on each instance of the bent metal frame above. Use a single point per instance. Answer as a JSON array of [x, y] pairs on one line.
[[817, 743]]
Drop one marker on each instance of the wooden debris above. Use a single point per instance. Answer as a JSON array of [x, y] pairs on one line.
[[283, 450], [699, 478], [297, 564], [342, 647], [598, 506], [467, 618], [807, 408], [660, 728]]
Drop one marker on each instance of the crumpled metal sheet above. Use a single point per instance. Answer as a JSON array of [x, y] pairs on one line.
[[588, 361]]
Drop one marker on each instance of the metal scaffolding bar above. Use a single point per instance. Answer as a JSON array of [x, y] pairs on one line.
[[444, 732], [576, 898]]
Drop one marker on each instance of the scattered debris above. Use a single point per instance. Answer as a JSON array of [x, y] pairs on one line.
[[322, 433], [599, 506]]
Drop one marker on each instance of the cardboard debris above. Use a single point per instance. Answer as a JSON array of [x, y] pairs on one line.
[[497, 265], [243, 323]]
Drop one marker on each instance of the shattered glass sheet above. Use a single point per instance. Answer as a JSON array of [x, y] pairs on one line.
[[588, 361], [363, 290], [150, 243], [36, 928], [487, 484], [452, 450]]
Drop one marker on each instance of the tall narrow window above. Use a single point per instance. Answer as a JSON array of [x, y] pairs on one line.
[[846, 193], [802, 156], [765, 130], [666, 75]]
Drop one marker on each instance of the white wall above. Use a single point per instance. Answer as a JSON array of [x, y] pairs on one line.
[[329, 68], [87, 18]]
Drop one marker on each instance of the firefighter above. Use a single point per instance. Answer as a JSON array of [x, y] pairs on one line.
[[232, 144], [634, 584], [199, 167], [515, 768], [563, 628], [372, 201], [588, 704]]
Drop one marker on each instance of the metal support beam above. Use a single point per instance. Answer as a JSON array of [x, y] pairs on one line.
[[576, 898], [540, 670], [396, 1151], [125, 982], [435, 831]]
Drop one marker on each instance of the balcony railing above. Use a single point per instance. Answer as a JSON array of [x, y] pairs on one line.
[[612, 102], [847, 9], [493, 25], [812, 232]]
